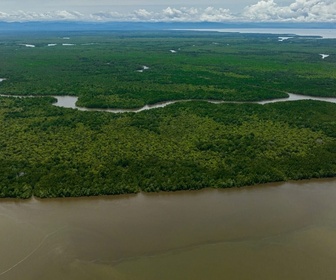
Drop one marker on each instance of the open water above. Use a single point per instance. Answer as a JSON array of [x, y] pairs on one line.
[[274, 231]]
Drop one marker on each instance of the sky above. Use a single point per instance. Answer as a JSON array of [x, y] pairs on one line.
[[169, 11]]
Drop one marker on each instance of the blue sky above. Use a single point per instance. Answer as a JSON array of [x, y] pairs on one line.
[[163, 10]]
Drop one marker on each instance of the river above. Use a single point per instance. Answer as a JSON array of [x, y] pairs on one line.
[[273, 231], [67, 101], [70, 102], [325, 33]]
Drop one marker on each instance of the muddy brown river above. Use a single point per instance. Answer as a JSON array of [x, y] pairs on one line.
[[272, 231]]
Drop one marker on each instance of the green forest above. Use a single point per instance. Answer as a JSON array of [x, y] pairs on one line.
[[48, 151]]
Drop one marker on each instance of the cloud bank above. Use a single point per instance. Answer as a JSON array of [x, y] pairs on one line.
[[262, 11], [299, 11]]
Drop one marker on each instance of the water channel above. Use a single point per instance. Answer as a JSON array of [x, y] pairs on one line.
[[65, 101], [70, 102], [273, 231]]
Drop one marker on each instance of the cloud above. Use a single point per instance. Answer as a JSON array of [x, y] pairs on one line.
[[169, 14], [264, 10], [106, 16], [298, 11], [143, 14], [216, 15], [47, 16]]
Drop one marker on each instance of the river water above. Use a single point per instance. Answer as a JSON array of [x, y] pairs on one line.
[[66, 101], [70, 102], [272, 231], [324, 33]]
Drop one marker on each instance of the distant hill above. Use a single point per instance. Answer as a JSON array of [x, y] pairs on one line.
[[92, 26]]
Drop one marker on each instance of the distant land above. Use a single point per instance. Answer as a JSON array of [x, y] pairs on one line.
[[105, 26]]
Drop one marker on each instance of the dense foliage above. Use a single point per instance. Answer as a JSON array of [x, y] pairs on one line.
[[103, 69], [49, 151]]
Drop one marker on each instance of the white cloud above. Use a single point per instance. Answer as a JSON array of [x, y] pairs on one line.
[[47, 16], [264, 10], [143, 14], [182, 14], [3, 15], [169, 14], [106, 16], [216, 15], [298, 11]]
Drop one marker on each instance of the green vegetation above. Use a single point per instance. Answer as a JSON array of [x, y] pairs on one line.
[[48, 151], [102, 69]]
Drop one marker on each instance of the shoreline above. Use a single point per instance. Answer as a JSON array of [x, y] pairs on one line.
[[163, 192]]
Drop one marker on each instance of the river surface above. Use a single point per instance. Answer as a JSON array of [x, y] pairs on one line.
[[70, 102], [324, 33], [273, 231]]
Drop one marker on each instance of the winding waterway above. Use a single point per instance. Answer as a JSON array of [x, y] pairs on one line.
[[70, 102], [274, 231]]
